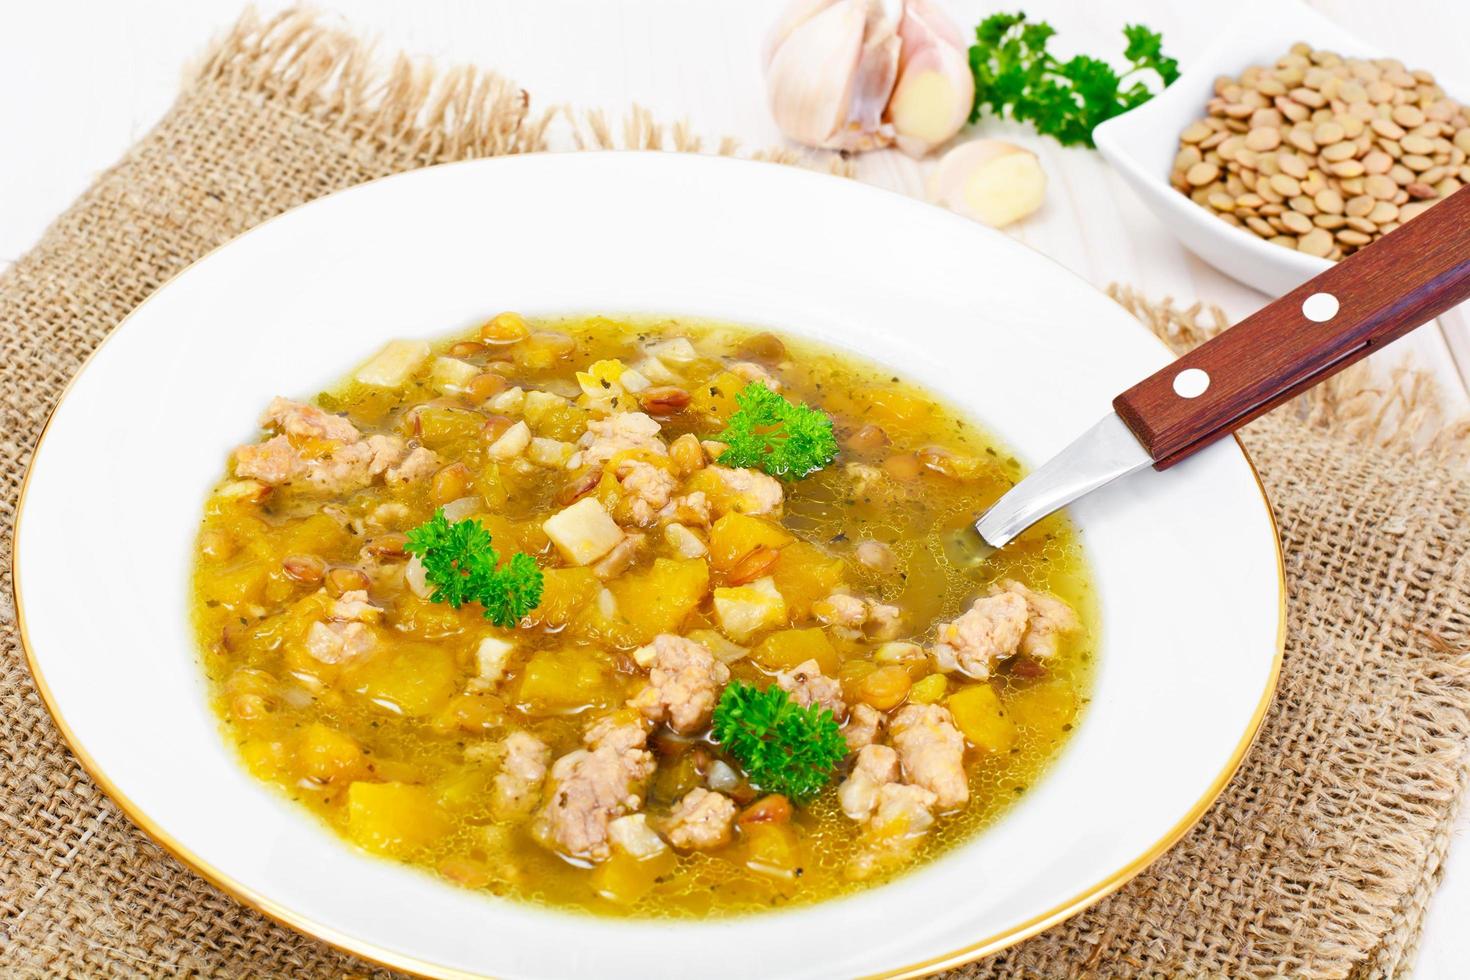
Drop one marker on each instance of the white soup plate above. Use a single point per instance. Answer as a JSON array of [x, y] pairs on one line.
[[1187, 567]]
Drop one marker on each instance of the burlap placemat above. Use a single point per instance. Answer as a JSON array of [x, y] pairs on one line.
[[1319, 860]]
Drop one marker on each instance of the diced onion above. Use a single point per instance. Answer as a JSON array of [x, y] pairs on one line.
[[458, 510], [684, 541], [721, 777], [656, 371], [417, 576], [634, 381], [512, 443], [297, 697], [675, 350], [510, 400], [725, 651]]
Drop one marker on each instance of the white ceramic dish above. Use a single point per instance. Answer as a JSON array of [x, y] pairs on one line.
[[1186, 561], [1141, 144]]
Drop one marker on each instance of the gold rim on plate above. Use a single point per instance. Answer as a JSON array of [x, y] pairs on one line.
[[410, 964]]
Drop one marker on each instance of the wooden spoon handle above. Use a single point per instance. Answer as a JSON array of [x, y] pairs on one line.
[[1374, 296]]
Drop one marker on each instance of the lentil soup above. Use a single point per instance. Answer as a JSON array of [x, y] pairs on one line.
[[550, 729]]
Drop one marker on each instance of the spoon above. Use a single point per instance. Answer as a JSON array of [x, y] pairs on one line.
[[1376, 295]]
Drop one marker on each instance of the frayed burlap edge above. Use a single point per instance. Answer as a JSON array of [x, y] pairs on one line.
[[591, 130], [436, 115]]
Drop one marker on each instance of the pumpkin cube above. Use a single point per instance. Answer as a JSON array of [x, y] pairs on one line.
[[716, 397], [786, 649], [243, 585], [772, 849], [657, 600], [929, 690], [979, 714], [805, 573], [558, 681], [443, 427], [327, 755], [623, 879], [893, 408], [565, 593], [736, 535], [393, 818], [316, 535], [417, 679], [745, 610], [265, 758], [1048, 708]]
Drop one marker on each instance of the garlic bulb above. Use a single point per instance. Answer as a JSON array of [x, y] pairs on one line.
[[862, 74], [992, 181]]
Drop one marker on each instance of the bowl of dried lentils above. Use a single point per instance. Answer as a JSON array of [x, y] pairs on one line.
[[1297, 159], [1322, 153]]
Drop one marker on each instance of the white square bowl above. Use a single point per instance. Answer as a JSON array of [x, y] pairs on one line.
[[1141, 144]]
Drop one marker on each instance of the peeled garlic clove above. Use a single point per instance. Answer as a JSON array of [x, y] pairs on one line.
[[831, 76], [992, 181], [935, 89]]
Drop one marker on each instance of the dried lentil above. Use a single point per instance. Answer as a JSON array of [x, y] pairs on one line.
[[1322, 153]]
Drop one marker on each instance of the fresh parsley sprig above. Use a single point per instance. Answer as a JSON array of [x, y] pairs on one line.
[[783, 747], [463, 566], [786, 439], [1066, 99]]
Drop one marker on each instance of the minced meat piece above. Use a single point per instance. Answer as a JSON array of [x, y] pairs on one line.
[[989, 631], [931, 751], [684, 683], [701, 820]]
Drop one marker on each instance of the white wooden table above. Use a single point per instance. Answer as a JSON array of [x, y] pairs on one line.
[[81, 81]]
